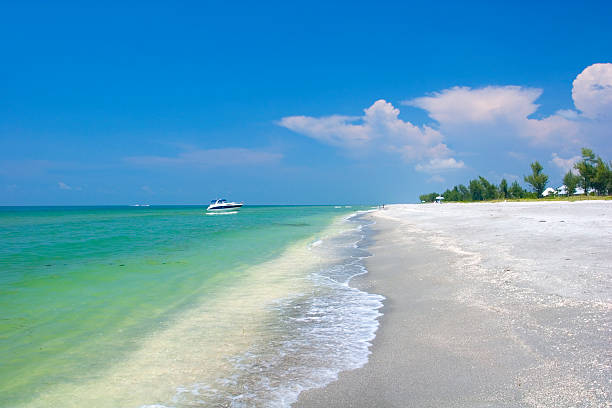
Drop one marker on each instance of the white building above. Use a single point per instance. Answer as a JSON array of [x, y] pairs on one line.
[[577, 191], [548, 192], [580, 191]]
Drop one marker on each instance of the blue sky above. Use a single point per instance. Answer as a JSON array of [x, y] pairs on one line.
[[307, 102]]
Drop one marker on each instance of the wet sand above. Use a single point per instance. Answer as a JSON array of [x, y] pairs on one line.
[[488, 305]]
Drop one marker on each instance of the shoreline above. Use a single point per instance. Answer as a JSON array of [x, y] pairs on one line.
[[478, 315], [240, 331]]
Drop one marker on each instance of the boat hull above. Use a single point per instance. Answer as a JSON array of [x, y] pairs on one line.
[[232, 207]]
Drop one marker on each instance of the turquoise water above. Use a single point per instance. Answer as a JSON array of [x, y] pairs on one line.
[[90, 296]]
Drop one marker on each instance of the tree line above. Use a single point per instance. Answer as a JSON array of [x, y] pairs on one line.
[[591, 173]]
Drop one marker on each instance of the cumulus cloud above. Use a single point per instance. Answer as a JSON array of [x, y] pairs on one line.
[[378, 128], [565, 165], [438, 165], [507, 111], [498, 117], [335, 130], [502, 110], [592, 91], [460, 105], [208, 158]]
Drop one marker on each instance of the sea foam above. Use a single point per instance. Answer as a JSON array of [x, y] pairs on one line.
[[310, 336]]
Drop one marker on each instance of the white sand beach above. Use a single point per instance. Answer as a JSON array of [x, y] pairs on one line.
[[487, 305]]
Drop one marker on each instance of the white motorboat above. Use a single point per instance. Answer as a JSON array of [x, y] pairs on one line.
[[223, 205]]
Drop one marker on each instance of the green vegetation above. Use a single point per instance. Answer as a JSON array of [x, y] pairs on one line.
[[602, 182], [480, 189], [592, 174], [586, 169], [537, 179], [571, 181], [503, 189], [428, 198]]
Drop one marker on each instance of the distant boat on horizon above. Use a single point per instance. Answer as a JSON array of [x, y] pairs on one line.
[[223, 205]]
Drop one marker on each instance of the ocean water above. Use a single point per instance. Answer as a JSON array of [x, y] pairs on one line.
[[170, 307]]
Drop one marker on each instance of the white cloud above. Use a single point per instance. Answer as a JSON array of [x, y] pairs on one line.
[[335, 130], [565, 165], [498, 117], [438, 165], [208, 158], [506, 111], [552, 130], [380, 128], [495, 111], [460, 105], [568, 114], [436, 178], [592, 91]]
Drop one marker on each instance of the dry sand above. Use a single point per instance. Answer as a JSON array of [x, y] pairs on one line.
[[488, 305]]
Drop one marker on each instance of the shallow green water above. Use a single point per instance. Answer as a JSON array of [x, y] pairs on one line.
[[81, 286]]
